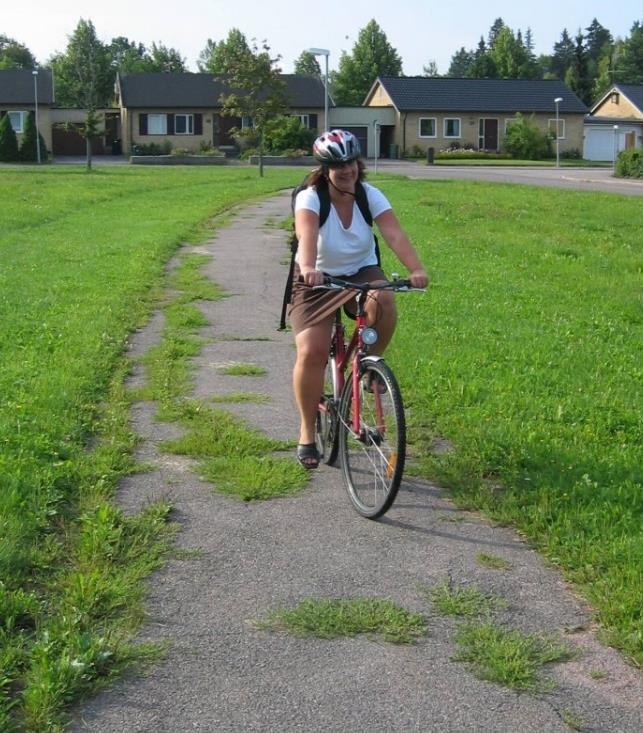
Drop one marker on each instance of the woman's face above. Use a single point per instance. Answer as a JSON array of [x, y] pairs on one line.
[[344, 175]]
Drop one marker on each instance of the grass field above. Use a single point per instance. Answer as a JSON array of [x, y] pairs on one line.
[[524, 355], [81, 257]]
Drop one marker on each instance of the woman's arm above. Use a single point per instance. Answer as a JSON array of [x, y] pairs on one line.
[[397, 240], [307, 231]]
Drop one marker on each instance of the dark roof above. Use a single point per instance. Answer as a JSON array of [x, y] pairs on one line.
[[204, 90], [17, 87], [634, 92], [420, 93]]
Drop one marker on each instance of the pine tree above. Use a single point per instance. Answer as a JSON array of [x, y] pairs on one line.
[[563, 55], [630, 63], [577, 75], [461, 64], [28, 150], [8, 141], [372, 56]]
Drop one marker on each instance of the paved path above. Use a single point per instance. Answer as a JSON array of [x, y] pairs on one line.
[[222, 674]]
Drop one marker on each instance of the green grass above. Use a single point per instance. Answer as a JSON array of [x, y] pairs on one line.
[[525, 354], [564, 163], [83, 258], [493, 562], [243, 370], [506, 656], [332, 618], [571, 719], [239, 397], [467, 601]]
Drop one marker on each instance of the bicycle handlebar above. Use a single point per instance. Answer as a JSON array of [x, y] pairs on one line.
[[339, 284]]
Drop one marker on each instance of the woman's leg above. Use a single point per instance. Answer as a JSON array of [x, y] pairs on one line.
[[313, 345], [382, 315]]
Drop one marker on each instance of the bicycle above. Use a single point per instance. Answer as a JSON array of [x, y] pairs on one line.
[[362, 418]]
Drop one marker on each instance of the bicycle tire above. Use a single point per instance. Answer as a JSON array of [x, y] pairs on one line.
[[372, 463], [326, 421]]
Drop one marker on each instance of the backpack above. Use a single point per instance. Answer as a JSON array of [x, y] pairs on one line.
[[361, 199]]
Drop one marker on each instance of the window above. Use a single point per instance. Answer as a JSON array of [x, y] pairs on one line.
[[427, 127], [551, 125], [452, 127], [157, 124], [304, 120], [184, 124], [17, 120], [246, 122]]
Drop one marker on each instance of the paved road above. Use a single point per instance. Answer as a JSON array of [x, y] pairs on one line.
[[223, 674]]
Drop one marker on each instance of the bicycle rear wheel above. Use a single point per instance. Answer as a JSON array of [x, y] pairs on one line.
[[326, 422], [373, 461]]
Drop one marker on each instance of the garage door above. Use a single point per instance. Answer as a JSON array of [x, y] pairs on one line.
[[66, 141], [361, 133], [599, 143]]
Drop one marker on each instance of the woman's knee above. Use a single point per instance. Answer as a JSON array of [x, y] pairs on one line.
[[383, 307], [312, 350]]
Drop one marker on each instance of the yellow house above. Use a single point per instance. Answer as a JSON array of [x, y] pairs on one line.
[[441, 112], [19, 91], [615, 122]]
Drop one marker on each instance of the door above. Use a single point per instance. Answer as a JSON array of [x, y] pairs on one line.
[[488, 134], [361, 133]]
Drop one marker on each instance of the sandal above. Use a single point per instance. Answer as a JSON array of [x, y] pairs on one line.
[[308, 455]]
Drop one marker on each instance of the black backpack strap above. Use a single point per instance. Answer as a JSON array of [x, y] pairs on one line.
[[361, 199]]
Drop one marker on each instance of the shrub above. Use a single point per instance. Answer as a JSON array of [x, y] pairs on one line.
[[629, 163], [287, 133], [28, 151], [572, 154], [8, 141], [164, 148], [524, 140]]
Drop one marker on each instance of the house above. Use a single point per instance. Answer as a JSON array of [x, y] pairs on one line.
[[19, 89], [439, 112], [184, 109], [614, 122]]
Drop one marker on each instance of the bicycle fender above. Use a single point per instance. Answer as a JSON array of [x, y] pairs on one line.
[[372, 358]]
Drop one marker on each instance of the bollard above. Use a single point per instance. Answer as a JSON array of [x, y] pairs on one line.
[[429, 155]]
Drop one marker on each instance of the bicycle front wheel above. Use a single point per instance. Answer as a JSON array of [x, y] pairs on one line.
[[372, 460], [326, 421]]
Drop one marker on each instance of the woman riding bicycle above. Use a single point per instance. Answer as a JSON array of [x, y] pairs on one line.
[[344, 247]]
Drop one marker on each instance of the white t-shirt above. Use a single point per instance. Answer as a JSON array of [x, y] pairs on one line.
[[342, 251]]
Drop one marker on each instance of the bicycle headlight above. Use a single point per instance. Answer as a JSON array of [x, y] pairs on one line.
[[369, 336]]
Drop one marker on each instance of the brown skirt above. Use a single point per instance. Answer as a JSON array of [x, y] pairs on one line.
[[309, 307]]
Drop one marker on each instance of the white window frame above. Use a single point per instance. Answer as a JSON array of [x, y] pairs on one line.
[[161, 124], [444, 128], [305, 120], [189, 123], [23, 116], [552, 124], [435, 126], [246, 122]]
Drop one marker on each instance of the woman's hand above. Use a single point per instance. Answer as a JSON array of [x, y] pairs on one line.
[[419, 278], [311, 276]]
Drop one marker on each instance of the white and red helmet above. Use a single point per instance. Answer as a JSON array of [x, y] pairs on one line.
[[336, 146]]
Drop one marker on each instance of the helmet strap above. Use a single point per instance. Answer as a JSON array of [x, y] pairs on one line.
[[341, 190]]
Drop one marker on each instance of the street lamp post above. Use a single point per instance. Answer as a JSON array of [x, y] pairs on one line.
[[325, 53], [557, 101], [376, 130], [615, 153], [35, 94]]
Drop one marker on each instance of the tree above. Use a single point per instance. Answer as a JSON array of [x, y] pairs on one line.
[[461, 63], [14, 55], [596, 38], [431, 69], [28, 149], [258, 90], [630, 62], [84, 74], [577, 75], [563, 55], [525, 141], [128, 57], [217, 58], [8, 141], [372, 56], [483, 66], [307, 65], [167, 60], [497, 25], [508, 54]]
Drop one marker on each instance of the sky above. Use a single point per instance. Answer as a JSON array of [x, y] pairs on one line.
[[420, 30]]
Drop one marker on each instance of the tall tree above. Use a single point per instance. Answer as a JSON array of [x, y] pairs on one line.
[[14, 55], [127, 56], [461, 63], [168, 60], [84, 75], [431, 69], [259, 90], [596, 38], [372, 56], [218, 58], [497, 25], [483, 66], [630, 62], [577, 75], [563, 55], [307, 65], [508, 55]]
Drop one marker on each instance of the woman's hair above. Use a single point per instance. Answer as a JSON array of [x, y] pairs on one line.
[[321, 174]]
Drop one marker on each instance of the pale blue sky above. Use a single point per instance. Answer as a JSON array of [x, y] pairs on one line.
[[419, 30]]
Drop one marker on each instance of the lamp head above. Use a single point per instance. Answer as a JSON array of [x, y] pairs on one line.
[[319, 51], [558, 100]]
